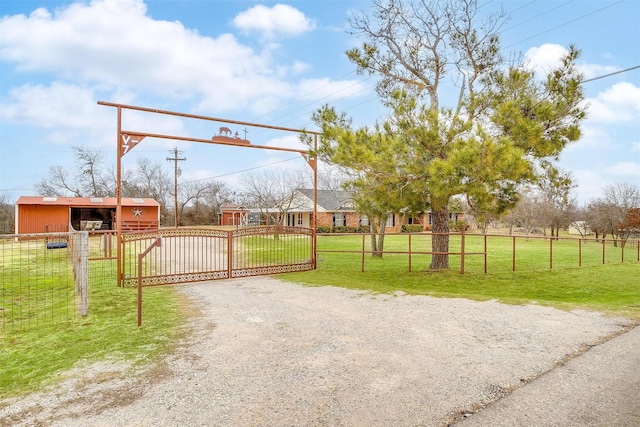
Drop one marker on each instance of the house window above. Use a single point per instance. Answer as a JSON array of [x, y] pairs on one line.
[[453, 216], [300, 221], [391, 220], [364, 221], [339, 219], [414, 220], [430, 219]]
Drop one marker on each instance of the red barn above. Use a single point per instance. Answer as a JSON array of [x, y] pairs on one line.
[[38, 214]]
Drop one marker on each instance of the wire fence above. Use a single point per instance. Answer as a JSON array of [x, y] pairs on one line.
[[488, 253], [45, 278]]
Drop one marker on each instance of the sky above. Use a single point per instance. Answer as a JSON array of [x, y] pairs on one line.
[[272, 63]]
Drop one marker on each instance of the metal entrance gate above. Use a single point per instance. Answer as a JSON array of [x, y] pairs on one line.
[[193, 255]]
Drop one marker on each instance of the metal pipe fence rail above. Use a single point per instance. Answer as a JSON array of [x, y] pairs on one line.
[[475, 252], [45, 278]]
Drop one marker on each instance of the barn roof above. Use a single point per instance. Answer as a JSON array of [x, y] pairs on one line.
[[85, 201]]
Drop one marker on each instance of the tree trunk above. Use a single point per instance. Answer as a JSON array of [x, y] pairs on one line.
[[377, 240], [440, 237]]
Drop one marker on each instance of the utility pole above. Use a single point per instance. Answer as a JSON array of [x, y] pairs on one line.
[[175, 159]]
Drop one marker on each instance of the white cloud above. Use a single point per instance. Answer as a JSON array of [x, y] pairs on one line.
[[591, 138], [279, 20], [590, 184], [72, 116], [116, 46], [58, 105], [618, 104], [299, 67], [595, 70], [545, 57], [630, 169], [635, 146], [114, 43], [288, 141]]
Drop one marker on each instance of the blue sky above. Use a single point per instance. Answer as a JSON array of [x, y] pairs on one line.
[[264, 62]]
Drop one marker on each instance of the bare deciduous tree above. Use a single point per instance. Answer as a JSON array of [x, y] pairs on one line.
[[273, 192], [610, 210], [7, 212]]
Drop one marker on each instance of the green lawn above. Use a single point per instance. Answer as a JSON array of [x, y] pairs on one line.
[[613, 288], [31, 356]]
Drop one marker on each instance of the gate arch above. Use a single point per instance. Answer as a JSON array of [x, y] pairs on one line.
[[128, 139]]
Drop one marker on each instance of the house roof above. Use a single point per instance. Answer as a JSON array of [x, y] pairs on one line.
[[85, 201], [233, 207], [330, 200]]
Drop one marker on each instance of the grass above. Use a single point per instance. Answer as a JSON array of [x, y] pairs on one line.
[[262, 250], [31, 358], [612, 288], [37, 284]]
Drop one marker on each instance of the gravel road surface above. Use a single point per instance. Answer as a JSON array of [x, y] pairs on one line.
[[261, 352]]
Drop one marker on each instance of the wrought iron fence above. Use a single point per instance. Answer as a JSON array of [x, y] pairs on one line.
[[45, 278], [475, 252], [197, 254]]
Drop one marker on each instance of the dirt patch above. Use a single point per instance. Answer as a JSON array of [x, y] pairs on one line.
[[265, 352]]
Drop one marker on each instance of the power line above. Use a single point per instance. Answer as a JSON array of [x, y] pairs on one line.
[[611, 74], [534, 17], [566, 23], [243, 170]]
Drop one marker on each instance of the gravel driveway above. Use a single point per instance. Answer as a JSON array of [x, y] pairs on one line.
[[268, 353]]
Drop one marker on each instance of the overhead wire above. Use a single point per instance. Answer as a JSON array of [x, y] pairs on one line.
[[240, 171], [536, 16], [299, 113], [562, 25], [611, 74]]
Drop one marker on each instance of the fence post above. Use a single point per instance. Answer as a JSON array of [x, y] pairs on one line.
[[485, 254], [80, 255], [513, 256], [229, 253], [551, 253], [580, 252], [409, 252], [362, 266], [462, 251], [156, 243]]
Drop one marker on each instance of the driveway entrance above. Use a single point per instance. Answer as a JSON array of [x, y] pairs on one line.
[[194, 255]]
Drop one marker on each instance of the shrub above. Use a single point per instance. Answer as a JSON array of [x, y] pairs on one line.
[[412, 228], [458, 225], [342, 229]]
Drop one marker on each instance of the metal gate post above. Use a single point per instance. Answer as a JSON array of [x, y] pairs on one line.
[[229, 253], [158, 243]]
